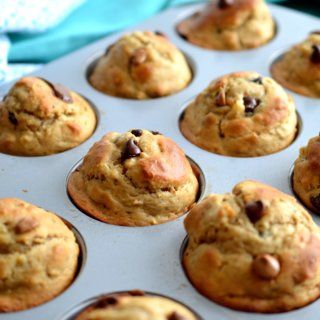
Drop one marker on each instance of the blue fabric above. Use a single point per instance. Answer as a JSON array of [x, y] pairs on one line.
[[93, 20]]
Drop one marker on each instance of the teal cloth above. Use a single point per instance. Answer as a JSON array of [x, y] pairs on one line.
[[93, 20]]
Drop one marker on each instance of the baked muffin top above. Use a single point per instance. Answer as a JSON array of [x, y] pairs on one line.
[[135, 305], [136, 178], [241, 114], [40, 118], [254, 249], [299, 68], [141, 65], [306, 174], [38, 256], [229, 25]]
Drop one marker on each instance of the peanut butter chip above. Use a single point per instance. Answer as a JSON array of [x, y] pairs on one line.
[[25, 225], [176, 316], [139, 56], [266, 266]]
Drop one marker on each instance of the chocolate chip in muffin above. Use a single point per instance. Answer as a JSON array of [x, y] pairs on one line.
[[266, 266], [139, 56], [175, 316], [315, 201], [159, 33], [250, 104], [12, 118], [255, 210], [257, 80], [136, 293], [131, 150], [136, 132], [155, 133], [315, 55], [26, 225], [60, 91], [220, 99], [107, 301], [223, 4]]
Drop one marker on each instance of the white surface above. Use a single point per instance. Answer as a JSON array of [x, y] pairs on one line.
[[121, 258]]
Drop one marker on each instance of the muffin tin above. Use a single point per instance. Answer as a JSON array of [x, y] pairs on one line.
[[122, 258]]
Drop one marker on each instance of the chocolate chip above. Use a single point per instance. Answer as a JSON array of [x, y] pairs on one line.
[[155, 133], [25, 225], [266, 266], [139, 56], [315, 201], [176, 316], [12, 118], [60, 91], [107, 301], [255, 210], [223, 4], [257, 80], [131, 150], [220, 99], [137, 132], [315, 55], [136, 293], [159, 33], [250, 104]]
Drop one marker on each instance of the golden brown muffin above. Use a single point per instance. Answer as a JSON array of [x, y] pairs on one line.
[[241, 114], [255, 249], [38, 257], [306, 175], [141, 65], [299, 68], [40, 118], [135, 305], [229, 25], [138, 178]]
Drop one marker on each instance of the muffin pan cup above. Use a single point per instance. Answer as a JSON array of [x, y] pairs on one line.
[[120, 258]]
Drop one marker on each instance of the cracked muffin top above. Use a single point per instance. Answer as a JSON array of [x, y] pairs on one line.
[[141, 65], [136, 305], [299, 68], [255, 249], [229, 25], [137, 178], [41, 118], [241, 114], [38, 255], [306, 175]]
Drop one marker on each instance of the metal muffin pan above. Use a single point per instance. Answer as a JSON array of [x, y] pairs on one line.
[[123, 258]]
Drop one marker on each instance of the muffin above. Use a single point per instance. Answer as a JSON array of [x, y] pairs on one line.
[[136, 305], [229, 25], [299, 68], [39, 255], [306, 175], [241, 114], [141, 65], [255, 249], [40, 118], [138, 178]]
